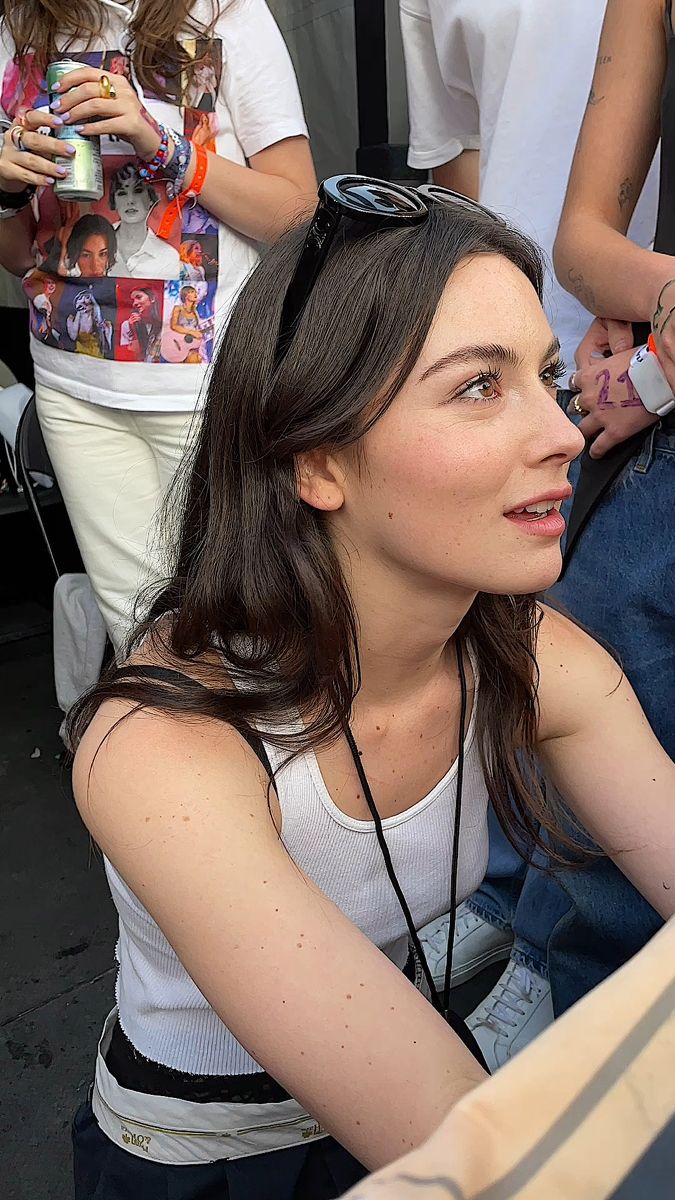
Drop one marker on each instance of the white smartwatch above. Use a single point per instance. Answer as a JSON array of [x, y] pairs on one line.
[[646, 374]]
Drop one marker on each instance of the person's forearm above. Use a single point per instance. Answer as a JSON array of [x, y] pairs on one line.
[[607, 272], [260, 206], [461, 174], [16, 240]]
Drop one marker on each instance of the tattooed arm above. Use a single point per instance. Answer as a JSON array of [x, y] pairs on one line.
[[609, 274]]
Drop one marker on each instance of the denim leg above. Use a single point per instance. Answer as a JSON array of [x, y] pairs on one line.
[[497, 897], [542, 904], [620, 584]]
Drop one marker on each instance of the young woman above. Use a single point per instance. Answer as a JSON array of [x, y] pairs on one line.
[[139, 250], [87, 328], [371, 508], [187, 324], [192, 261], [142, 330], [116, 431]]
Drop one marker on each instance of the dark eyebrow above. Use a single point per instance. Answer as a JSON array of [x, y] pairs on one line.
[[491, 352]]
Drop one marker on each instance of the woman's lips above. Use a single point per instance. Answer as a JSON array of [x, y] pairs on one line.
[[552, 525]]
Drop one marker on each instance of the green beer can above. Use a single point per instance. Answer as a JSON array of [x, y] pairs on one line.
[[84, 180]]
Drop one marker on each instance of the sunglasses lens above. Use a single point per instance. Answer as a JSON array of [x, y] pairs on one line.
[[440, 195], [362, 197]]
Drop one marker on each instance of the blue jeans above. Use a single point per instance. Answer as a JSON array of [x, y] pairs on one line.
[[577, 927]]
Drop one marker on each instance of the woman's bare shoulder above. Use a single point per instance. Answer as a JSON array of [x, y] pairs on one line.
[[575, 671], [167, 744]]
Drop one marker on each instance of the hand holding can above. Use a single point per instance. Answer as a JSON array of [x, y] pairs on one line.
[[28, 158], [83, 177], [97, 103]]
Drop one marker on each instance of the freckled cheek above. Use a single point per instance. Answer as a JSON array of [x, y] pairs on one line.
[[422, 472]]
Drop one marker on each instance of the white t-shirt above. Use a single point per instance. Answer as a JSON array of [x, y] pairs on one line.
[[511, 78], [155, 258], [246, 99]]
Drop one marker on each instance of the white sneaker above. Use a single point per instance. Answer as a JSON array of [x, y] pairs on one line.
[[518, 1008], [477, 944]]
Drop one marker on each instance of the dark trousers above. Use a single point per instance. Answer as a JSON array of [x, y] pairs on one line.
[[321, 1170], [15, 348]]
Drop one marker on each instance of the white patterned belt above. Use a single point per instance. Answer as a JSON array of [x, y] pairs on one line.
[[177, 1132]]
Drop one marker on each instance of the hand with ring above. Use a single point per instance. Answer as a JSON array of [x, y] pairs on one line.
[[28, 158], [607, 402], [98, 103]]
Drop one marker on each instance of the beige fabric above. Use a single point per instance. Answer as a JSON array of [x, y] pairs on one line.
[[113, 468], [586, 1112]]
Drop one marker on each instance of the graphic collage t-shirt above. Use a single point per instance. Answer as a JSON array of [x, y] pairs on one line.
[[119, 315]]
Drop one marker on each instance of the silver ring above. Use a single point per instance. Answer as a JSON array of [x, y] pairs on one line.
[[572, 382], [581, 412]]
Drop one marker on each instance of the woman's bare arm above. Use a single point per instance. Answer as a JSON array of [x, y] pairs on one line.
[[609, 274], [188, 827], [461, 174], [601, 754], [275, 191]]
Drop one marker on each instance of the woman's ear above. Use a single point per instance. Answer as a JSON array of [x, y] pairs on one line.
[[320, 480]]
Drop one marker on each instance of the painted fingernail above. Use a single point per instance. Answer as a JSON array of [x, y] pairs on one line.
[[61, 170], [57, 120], [56, 87], [78, 128], [55, 104], [68, 148], [64, 118]]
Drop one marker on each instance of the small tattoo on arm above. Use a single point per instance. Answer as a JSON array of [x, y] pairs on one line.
[[603, 60], [632, 399], [582, 290], [625, 192], [594, 98]]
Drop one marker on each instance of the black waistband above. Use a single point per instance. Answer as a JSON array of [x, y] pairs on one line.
[[139, 1074]]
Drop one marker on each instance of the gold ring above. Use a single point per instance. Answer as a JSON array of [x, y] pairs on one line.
[[581, 412], [106, 87]]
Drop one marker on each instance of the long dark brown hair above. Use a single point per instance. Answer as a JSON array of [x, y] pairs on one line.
[[50, 28], [254, 570]]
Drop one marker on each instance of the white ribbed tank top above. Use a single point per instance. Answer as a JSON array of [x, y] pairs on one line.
[[162, 1011]]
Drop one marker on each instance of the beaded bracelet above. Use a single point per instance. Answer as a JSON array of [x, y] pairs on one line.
[[148, 170], [176, 170], [173, 210]]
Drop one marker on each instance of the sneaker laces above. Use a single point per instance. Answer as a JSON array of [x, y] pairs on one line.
[[516, 987], [437, 939]]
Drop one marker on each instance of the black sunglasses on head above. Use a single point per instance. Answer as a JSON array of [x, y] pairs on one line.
[[376, 202]]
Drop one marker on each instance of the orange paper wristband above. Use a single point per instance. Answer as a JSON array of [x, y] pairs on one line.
[[173, 211]]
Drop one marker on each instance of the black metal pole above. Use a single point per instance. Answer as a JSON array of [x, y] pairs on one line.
[[371, 84], [375, 154]]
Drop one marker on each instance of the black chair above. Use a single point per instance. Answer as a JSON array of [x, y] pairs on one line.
[[46, 504]]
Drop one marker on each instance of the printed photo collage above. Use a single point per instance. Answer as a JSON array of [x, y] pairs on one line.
[[107, 285]]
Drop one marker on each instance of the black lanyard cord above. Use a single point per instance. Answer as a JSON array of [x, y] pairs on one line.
[[456, 832], [443, 1007]]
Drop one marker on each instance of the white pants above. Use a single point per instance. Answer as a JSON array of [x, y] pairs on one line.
[[113, 468]]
